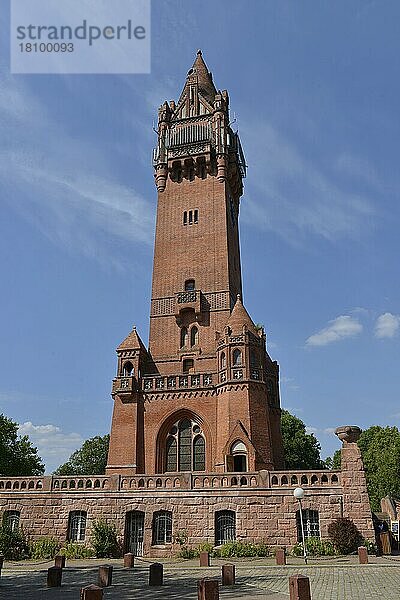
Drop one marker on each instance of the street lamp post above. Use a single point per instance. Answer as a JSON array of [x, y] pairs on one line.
[[299, 495]]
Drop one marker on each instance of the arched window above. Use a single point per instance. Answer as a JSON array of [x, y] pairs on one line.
[[162, 528], [239, 453], [194, 336], [199, 454], [225, 527], [223, 361], [190, 285], [185, 448], [310, 523], [184, 337], [11, 519], [171, 454], [77, 525], [128, 369], [237, 358]]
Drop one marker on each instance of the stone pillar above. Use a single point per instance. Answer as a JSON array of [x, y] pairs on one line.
[[204, 559], [92, 592], [207, 589], [228, 574], [354, 485], [54, 576], [299, 588], [280, 556], [362, 555], [129, 560], [105, 575], [156, 574], [59, 561]]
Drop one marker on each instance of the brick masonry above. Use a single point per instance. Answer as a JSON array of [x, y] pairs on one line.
[[206, 362]]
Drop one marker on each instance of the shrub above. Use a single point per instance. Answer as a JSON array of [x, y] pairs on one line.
[[187, 553], [241, 549], [13, 543], [314, 547], [344, 535], [46, 547], [76, 550], [104, 540]]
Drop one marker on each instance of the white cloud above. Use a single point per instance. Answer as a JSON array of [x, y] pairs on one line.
[[54, 446], [293, 196], [340, 328], [387, 325]]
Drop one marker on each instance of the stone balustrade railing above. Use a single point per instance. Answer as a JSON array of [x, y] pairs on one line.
[[184, 481]]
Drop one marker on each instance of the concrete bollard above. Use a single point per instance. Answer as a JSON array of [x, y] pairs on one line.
[[228, 574], [54, 576], [204, 559], [156, 574], [105, 575], [299, 587], [362, 555], [280, 556], [59, 561], [129, 560], [92, 592], [207, 589]]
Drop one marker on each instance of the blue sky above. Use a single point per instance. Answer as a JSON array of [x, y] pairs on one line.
[[315, 91]]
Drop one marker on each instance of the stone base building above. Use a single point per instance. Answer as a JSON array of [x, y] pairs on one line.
[[196, 446]]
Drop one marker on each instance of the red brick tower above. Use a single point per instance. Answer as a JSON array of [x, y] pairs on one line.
[[205, 395]]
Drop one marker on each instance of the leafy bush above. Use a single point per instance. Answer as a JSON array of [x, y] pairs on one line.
[[187, 553], [46, 547], [315, 547], [76, 550], [344, 535], [13, 543], [228, 550], [241, 549], [104, 540]]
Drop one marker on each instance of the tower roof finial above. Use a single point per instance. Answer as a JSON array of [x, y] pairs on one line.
[[204, 77]]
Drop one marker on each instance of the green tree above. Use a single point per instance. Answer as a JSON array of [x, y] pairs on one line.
[[301, 449], [18, 456], [380, 451], [90, 459]]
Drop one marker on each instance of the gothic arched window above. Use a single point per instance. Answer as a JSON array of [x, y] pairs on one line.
[[171, 454], [237, 358], [184, 337], [128, 369], [194, 336], [185, 448], [223, 361], [199, 454]]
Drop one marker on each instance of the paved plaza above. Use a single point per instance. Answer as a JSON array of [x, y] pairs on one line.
[[258, 579]]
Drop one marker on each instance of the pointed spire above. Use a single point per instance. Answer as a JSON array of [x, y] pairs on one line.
[[132, 342], [240, 317], [204, 78]]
